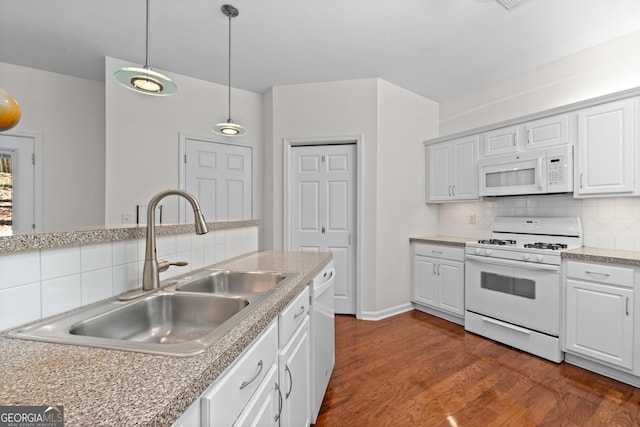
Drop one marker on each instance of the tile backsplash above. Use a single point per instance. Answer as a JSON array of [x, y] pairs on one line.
[[612, 223], [41, 283]]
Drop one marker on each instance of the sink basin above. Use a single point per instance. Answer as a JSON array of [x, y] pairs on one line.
[[237, 283], [162, 319], [163, 322], [168, 322]]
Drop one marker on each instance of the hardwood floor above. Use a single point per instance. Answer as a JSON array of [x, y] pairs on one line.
[[418, 370]]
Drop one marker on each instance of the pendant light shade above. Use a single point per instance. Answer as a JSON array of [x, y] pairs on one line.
[[9, 111], [229, 128], [145, 80]]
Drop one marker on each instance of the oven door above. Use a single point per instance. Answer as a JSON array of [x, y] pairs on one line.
[[520, 293]]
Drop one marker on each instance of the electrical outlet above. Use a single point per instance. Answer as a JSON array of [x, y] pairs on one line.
[[472, 219], [127, 218]]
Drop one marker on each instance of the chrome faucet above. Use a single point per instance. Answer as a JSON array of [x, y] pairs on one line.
[[152, 266]]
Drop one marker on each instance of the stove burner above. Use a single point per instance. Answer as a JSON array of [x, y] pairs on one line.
[[497, 242], [551, 246]]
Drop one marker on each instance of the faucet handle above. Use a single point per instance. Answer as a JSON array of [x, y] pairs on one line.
[[163, 265]]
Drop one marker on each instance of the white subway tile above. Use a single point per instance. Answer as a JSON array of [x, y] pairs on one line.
[[95, 257], [60, 262], [125, 278], [60, 295], [167, 246], [97, 285], [19, 305], [125, 251], [183, 242], [19, 269]]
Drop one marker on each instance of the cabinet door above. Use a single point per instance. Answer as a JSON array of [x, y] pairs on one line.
[[438, 175], [264, 408], [294, 376], [465, 168], [451, 278], [600, 322], [548, 131], [502, 141], [605, 150], [424, 277]]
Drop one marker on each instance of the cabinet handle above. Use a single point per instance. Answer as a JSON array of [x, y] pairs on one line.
[[627, 306], [434, 269], [595, 273], [437, 252], [279, 402], [300, 313], [246, 383], [449, 190], [288, 371], [515, 139], [528, 136], [453, 190], [439, 269], [581, 180]]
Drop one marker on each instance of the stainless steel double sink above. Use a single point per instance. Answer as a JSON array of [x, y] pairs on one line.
[[182, 319]]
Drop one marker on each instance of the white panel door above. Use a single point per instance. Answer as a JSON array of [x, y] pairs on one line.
[[323, 211], [21, 152], [220, 177]]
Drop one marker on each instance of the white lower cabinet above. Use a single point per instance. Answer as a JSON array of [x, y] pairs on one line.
[[438, 280], [269, 383], [294, 370], [600, 314], [225, 400], [264, 408]]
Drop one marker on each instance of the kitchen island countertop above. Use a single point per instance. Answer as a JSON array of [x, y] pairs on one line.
[[111, 387]]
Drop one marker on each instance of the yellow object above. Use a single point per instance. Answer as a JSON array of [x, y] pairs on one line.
[[9, 111]]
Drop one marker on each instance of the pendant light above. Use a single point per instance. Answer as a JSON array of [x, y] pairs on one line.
[[229, 128], [145, 80], [9, 111]]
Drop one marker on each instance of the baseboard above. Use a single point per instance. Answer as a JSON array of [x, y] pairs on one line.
[[602, 370], [441, 314], [387, 312]]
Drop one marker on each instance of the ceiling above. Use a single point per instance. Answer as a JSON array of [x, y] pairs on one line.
[[436, 48]]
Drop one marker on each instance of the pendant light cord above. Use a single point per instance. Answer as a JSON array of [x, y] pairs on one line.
[[229, 72], [146, 63]]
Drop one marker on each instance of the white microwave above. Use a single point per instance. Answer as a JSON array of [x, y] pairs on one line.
[[532, 172]]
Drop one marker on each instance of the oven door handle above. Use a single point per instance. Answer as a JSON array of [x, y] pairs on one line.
[[513, 263]]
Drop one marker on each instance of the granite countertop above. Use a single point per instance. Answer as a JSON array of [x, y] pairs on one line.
[[443, 240], [111, 387], [612, 256]]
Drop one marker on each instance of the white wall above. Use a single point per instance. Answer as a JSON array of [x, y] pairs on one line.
[[404, 121], [69, 114], [391, 182], [142, 137], [604, 69], [611, 67]]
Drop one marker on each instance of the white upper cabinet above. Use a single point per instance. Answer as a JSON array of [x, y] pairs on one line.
[[606, 158], [501, 141], [452, 170], [549, 131]]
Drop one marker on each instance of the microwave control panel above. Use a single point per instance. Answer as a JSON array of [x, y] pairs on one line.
[[556, 171]]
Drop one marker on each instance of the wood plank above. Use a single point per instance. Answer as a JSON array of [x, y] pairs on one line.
[[415, 369]]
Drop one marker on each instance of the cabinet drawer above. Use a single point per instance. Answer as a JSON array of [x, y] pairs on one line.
[[292, 316], [223, 402], [600, 273], [455, 253]]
